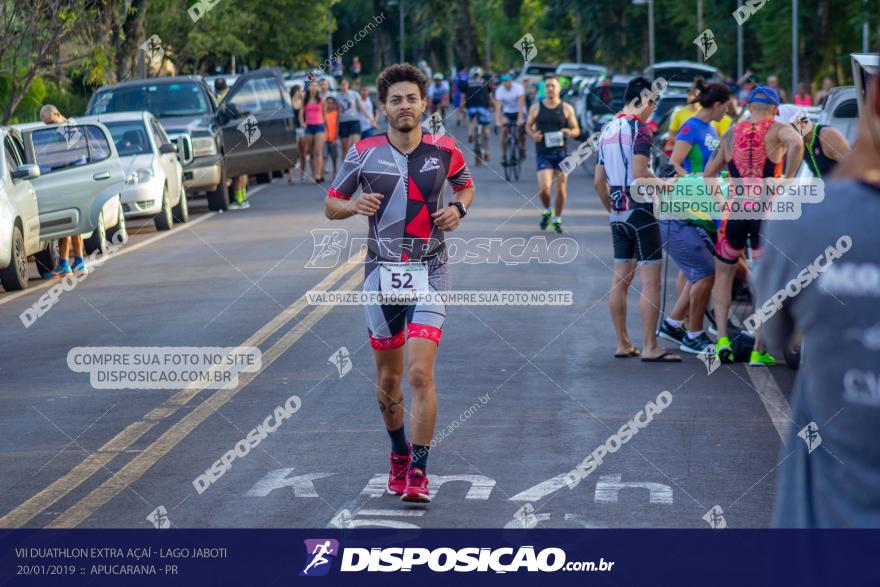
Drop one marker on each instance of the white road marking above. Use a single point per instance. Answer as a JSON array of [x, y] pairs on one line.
[[542, 489], [302, 485], [771, 396], [389, 512], [609, 486]]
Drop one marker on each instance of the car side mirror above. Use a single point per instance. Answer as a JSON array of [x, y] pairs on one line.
[[27, 171], [167, 148]]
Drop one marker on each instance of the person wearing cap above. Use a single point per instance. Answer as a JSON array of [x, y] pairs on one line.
[[753, 149], [824, 145], [510, 109]]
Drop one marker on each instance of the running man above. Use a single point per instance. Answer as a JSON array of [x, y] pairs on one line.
[[439, 95], [510, 99], [755, 148], [551, 121], [624, 156], [478, 102], [402, 174]]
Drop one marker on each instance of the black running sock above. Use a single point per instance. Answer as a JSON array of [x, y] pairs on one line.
[[419, 458], [398, 441]]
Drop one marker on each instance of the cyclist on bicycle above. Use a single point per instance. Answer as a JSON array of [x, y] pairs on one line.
[[478, 102], [510, 113]]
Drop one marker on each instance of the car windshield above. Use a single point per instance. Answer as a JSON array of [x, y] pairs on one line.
[[579, 71], [130, 137], [667, 104], [539, 69], [681, 74], [59, 148], [606, 99], [161, 100]]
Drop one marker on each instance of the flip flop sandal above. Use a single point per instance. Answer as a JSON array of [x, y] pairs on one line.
[[664, 358], [632, 353]]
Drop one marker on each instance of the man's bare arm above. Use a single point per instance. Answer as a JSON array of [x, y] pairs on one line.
[[600, 182], [794, 149]]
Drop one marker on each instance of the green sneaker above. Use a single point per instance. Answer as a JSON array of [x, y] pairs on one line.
[[723, 350], [545, 220], [557, 226], [764, 359]]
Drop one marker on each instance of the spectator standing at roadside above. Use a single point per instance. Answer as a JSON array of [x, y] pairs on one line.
[[773, 83], [827, 84], [355, 68], [296, 101], [338, 69], [802, 98], [369, 123], [331, 149], [49, 114]]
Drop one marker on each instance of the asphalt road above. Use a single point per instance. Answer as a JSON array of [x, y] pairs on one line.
[[75, 456]]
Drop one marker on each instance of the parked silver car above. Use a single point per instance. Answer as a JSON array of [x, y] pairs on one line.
[[79, 183], [153, 173], [19, 216]]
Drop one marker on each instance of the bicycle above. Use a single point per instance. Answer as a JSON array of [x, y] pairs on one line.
[[511, 160]]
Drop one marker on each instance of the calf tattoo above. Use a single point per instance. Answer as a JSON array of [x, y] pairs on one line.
[[389, 406]]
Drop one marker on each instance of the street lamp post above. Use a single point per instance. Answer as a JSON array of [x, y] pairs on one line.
[[739, 46], [650, 4], [399, 4]]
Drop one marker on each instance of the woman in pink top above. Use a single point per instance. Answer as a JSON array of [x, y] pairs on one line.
[[802, 98], [312, 118]]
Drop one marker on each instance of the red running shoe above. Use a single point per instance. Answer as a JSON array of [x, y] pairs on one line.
[[397, 474], [416, 487]]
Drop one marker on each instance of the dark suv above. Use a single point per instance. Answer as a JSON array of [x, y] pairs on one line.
[[249, 132]]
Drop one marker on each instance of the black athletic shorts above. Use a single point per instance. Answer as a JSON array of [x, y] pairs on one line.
[[635, 235]]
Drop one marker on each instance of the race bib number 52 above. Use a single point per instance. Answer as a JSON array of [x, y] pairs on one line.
[[403, 281]]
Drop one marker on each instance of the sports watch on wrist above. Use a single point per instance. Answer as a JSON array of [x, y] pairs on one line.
[[461, 209]]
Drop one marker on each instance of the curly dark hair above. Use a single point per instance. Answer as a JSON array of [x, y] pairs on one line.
[[400, 72]]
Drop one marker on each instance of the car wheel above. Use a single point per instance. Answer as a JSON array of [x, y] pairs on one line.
[[98, 240], [15, 275], [263, 178], [219, 198], [181, 210], [163, 219], [118, 235], [48, 259]]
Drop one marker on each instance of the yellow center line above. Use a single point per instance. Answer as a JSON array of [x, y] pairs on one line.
[[160, 447], [36, 504]]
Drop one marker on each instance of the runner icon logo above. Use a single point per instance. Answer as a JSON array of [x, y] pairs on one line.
[[709, 358], [342, 360], [319, 554], [434, 125], [715, 518], [706, 42], [250, 129], [327, 247], [431, 163], [810, 434], [159, 518], [526, 46]]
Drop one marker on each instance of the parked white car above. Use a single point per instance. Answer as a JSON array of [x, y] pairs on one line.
[[153, 173], [79, 183], [19, 215]]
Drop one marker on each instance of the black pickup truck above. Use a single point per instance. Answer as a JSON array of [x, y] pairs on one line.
[[249, 132]]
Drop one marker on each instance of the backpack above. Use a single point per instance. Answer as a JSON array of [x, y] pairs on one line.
[[742, 343]]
